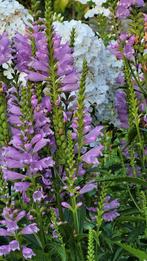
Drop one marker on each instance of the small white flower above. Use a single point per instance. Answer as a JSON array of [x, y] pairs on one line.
[[13, 17], [83, 1], [97, 9]]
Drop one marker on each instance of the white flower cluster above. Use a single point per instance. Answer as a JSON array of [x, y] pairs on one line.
[[103, 66], [13, 17], [97, 9]]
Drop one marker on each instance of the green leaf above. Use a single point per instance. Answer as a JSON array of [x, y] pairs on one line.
[[130, 180], [134, 251], [132, 133], [130, 218], [57, 249]]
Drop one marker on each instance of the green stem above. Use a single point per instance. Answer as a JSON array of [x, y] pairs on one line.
[[75, 214], [76, 224], [137, 79], [58, 200]]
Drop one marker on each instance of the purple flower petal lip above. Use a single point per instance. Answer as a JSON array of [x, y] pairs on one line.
[[39, 66], [30, 229], [14, 245], [64, 69], [21, 186], [79, 204], [70, 79], [16, 141], [65, 205], [41, 164], [124, 7], [140, 3], [15, 120], [121, 108], [111, 205], [11, 226], [91, 156], [114, 49], [4, 232], [14, 164], [36, 138], [110, 216], [4, 250], [87, 188], [36, 77], [123, 36], [122, 12], [46, 103], [5, 50], [120, 79], [70, 87], [38, 196], [93, 134], [40, 144], [129, 52], [12, 175], [20, 215], [14, 110], [27, 252], [23, 52], [13, 153]]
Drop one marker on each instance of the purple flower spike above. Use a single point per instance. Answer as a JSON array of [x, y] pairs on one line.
[[124, 7], [5, 50], [110, 209], [35, 65], [121, 107], [27, 253]]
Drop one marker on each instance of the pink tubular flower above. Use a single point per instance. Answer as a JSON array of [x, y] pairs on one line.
[[65, 205], [93, 134], [38, 196], [87, 188], [30, 229], [123, 47], [91, 156], [12, 175], [14, 245], [21, 186], [27, 252], [125, 6], [3, 232], [110, 209], [111, 215], [4, 250]]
